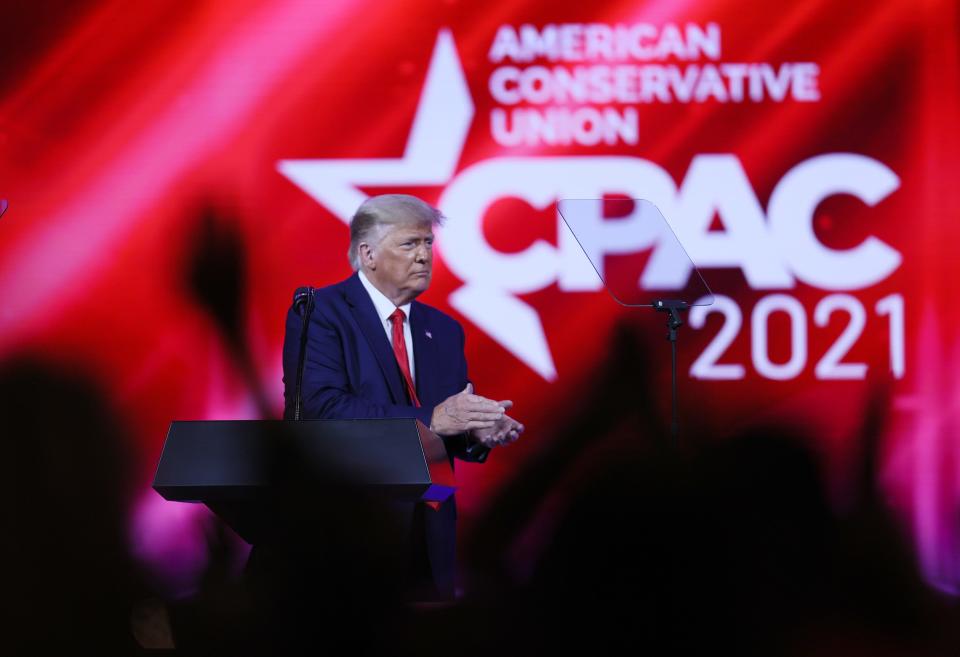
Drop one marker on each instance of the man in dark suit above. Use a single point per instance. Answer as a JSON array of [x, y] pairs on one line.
[[373, 351]]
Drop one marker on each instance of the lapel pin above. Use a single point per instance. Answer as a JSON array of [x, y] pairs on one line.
[[429, 334]]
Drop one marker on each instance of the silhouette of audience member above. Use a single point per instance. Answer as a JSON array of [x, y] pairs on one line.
[[70, 584]]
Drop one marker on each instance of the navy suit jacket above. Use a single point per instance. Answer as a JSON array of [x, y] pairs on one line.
[[350, 371]]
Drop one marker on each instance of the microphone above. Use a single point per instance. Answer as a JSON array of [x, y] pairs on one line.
[[3, 206], [302, 297]]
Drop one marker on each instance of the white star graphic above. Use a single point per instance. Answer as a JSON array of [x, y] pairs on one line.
[[433, 149]]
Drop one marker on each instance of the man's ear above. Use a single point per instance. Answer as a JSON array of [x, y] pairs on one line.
[[366, 256]]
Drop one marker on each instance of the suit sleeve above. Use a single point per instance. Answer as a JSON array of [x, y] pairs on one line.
[[327, 393]]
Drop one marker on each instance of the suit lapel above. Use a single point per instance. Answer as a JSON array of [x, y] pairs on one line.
[[366, 315], [424, 352]]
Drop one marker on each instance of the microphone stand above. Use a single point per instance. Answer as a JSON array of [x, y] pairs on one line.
[[303, 295]]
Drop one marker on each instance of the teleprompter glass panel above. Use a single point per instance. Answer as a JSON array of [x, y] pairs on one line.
[[634, 251]]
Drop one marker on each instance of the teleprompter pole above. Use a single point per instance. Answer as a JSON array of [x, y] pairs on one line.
[[673, 308]]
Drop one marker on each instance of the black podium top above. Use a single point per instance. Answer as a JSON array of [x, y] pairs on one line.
[[236, 460]]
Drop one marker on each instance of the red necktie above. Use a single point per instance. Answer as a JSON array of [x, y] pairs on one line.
[[400, 351]]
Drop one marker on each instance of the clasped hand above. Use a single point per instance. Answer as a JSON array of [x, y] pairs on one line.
[[484, 419]]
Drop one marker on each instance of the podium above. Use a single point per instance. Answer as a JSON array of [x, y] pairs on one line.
[[242, 470]]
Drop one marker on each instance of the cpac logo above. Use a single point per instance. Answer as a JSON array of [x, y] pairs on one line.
[[773, 249]]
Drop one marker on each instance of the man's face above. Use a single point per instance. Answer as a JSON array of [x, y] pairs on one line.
[[401, 264]]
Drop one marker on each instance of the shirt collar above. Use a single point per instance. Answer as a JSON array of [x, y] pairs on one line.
[[383, 305]]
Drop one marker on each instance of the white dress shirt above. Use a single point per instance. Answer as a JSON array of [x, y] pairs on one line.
[[385, 308]]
